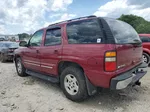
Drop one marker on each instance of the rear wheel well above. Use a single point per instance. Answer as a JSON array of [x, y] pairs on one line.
[[64, 64], [90, 87], [146, 52]]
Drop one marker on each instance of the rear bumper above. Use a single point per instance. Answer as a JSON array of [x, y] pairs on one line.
[[128, 78]]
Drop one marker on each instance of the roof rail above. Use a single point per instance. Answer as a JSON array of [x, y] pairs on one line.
[[73, 20]]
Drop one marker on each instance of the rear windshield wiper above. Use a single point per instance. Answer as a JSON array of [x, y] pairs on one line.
[[136, 42]]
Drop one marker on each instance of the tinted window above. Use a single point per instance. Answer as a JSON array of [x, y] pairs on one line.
[[123, 32], [53, 37], [145, 39], [85, 31], [36, 38]]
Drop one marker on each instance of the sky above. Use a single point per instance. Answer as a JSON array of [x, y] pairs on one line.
[[27, 16]]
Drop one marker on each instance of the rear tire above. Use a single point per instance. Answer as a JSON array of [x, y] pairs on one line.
[[73, 84], [146, 58], [20, 67], [2, 58]]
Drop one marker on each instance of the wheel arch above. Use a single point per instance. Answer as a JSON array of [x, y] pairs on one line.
[[90, 87], [16, 56], [63, 64], [147, 51], [147, 55]]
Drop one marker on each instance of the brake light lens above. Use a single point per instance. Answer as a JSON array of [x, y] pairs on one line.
[[110, 61]]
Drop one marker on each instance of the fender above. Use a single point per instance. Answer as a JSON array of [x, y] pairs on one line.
[[90, 87], [146, 50], [69, 60]]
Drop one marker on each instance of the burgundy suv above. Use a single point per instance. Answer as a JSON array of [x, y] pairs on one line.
[[83, 54], [146, 47]]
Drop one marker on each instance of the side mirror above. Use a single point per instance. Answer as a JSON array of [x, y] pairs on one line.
[[23, 44]]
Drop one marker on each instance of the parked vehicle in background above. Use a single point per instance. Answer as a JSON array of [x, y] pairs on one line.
[[83, 54], [7, 50], [146, 47], [2, 39]]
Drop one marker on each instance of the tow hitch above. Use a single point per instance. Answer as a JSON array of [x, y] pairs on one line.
[[138, 83]]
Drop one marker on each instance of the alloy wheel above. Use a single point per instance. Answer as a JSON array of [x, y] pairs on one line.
[[71, 84], [19, 66], [145, 58]]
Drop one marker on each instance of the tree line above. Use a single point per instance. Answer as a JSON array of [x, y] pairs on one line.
[[24, 36], [138, 23]]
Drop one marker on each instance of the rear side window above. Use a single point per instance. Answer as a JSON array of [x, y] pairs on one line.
[[145, 39], [53, 37], [122, 32], [85, 31]]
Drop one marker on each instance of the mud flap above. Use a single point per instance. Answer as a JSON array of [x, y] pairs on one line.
[[90, 87]]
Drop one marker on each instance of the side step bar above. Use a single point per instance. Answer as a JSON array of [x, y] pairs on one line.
[[43, 76]]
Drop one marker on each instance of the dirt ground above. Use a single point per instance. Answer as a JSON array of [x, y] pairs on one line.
[[30, 94]]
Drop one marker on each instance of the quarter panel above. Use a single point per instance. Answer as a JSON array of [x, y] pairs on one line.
[[91, 58]]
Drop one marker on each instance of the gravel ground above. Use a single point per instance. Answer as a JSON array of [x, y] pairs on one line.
[[30, 94]]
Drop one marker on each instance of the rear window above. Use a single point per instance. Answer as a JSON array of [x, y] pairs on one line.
[[85, 31], [145, 39], [122, 32]]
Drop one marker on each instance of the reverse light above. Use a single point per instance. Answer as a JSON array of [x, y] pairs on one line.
[[110, 61]]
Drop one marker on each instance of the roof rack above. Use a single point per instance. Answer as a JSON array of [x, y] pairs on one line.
[[73, 20]]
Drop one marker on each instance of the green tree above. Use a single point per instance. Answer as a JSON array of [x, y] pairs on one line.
[[138, 23], [24, 36]]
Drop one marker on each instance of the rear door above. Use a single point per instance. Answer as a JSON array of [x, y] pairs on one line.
[[31, 53], [50, 52], [128, 44]]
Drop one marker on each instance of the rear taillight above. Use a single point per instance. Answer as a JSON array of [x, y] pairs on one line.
[[110, 61]]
